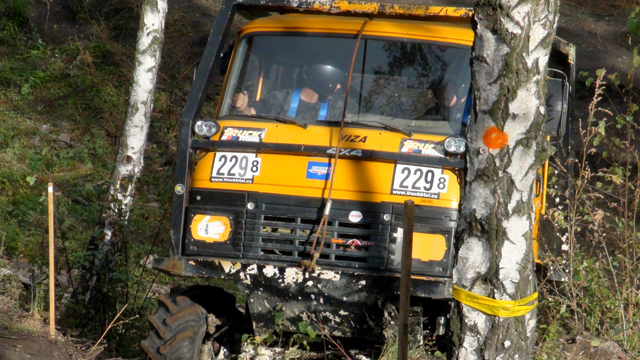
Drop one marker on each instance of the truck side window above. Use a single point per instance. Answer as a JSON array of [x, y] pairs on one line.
[[248, 79]]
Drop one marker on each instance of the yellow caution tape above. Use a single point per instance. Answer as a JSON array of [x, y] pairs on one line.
[[494, 307]]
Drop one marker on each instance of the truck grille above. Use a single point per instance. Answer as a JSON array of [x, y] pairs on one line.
[[288, 239]]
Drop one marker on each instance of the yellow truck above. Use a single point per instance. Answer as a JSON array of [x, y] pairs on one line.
[[332, 114]]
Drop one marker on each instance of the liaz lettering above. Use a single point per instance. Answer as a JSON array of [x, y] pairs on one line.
[[354, 138], [243, 134], [423, 147]]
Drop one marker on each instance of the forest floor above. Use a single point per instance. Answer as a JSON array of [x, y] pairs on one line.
[[52, 127], [24, 335]]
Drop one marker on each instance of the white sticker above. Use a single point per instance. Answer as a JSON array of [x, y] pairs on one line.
[[419, 181], [355, 216], [211, 229], [235, 167]]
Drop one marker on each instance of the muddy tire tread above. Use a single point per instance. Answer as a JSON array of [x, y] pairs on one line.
[[177, 329]]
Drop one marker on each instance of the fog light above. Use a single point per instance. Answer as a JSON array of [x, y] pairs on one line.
[[455, 145], [206, 128], [251, 206], [210, 228]]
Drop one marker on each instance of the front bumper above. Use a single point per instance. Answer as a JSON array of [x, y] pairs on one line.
[[348, 302]]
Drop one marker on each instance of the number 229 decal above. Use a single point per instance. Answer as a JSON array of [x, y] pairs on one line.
[[235, 167], [419, 181]]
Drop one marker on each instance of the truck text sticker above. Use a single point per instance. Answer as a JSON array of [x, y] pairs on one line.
[[423, 147], [317, 170], [243, 134]]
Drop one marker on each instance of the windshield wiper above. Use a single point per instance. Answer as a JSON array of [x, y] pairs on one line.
[[280, 120], [377, 124]]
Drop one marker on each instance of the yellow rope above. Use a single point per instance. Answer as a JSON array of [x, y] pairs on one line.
[[501, 308]]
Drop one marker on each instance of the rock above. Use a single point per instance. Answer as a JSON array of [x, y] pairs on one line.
[[148, 261], [22, 270], [157, 290], [609, 350], [63, 280], [4, 271], [36, 141], [65, 137]]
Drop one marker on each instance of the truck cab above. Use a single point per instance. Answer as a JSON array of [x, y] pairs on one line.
[[387, 123]]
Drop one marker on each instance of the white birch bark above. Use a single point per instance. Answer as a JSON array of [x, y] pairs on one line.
[[495, 258], [129, 161]]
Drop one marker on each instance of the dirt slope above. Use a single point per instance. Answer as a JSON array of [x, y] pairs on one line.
[[26, 345], [598, 30], [24, 337]]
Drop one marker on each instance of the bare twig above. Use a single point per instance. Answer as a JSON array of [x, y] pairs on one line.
[[2, 244], [615, 282], [112, 325], [68, 142], [325, 335]]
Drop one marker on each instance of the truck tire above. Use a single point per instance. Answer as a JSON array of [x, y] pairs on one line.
[[177, 329]]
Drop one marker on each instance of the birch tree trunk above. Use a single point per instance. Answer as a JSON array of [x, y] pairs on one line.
[[507, 145], [129, 161]]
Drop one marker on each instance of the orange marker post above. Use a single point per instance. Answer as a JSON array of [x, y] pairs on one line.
[[52, 279]]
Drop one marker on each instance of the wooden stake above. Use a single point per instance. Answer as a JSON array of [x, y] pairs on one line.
[[405, 280], [52, 279]]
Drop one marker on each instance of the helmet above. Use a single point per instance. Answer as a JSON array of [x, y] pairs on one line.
[[322, 79]]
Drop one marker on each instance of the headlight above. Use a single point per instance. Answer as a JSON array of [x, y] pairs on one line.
[[211, 228], [206, 128], [455, 145]]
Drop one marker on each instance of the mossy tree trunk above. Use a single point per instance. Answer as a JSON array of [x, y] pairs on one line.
[[129, 161], [507, 145]]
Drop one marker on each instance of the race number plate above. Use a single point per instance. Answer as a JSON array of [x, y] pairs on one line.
[[235, 167], [420, 181]]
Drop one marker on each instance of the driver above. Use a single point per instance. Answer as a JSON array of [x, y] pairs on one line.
[[458, 100], [313, 101]]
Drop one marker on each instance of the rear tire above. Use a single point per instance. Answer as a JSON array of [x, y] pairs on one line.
[[177, 329]]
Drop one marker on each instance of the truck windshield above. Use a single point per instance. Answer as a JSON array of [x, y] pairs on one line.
[[416, 86]]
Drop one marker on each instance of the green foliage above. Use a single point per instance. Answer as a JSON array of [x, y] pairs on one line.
[[599, 227], [62, 110], [305, 328], [16, 11], [600, 224], [297, 346]]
